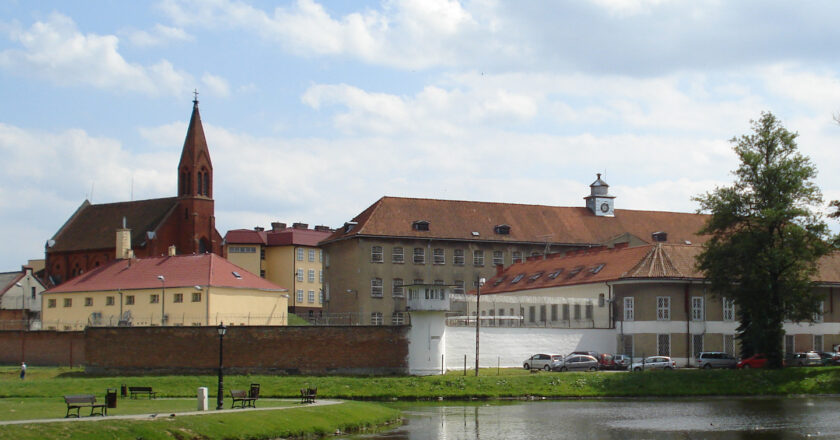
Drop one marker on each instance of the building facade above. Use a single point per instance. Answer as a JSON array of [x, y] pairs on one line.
[[20, 300], [401, 241], [187, 221], [286, 256]]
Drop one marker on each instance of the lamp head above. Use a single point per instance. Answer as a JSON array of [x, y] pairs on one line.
[[18, 284], [161, 278], [221, 329], [481, 281]]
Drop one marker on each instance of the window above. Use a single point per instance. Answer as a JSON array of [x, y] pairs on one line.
[[376, 318], [458, 257], [68, 302], [376, 254], [818, 317], [627, 345], [397, 288], [420, 225], [321, 276], [517, 256], [129, 300], [300, 275], [663, 309], [418, 281], [88, 302], [320, 296], [601, 300], [498, 258], [312, 255], [542, 313], [196, 297], [397, 318], [242, 249], [311, 296], [535, 277], [554, 312], [310, 275], [628, 308], [459, 287], [300, 254], [397, 255], [502, 229], [729, 344], [154, 298], [818, 343], [789, 345], [178, 298], [438, 256], [696, 345], [577, 312], [728, 309], [419, 256], [299, 295], [565, 312], [697, 308], [262, 273], [663, 345], [51, 303], [478, 258], [262, 253], [376, 287], [532, 314], [589, 310], [320, 256]]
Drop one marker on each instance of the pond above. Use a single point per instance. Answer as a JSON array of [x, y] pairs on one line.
[[696, 418]]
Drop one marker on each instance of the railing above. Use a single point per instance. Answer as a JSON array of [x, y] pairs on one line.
[[454, 319]]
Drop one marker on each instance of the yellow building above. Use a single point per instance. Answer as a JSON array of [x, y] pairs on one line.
[[287, 257], [177, 290]]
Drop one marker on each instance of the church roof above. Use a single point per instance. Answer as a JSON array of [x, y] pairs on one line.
[[477, 221], [179, 271], [195, 144], [94, 226]]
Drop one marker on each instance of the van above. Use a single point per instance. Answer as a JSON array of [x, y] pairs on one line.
[[715, 359]]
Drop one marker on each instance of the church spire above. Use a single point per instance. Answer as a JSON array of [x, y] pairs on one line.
[[195, 172]]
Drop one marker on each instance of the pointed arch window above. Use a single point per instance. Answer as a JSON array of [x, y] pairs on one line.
[[206, 185], [198, 183]]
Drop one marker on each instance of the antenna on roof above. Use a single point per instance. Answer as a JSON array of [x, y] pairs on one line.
[[547, 244]]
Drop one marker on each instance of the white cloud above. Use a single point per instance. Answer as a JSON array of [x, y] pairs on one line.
[[217, 85], [159, 35], [55, 50]]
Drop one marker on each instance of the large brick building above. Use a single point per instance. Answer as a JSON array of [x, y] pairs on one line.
[[187, 221]]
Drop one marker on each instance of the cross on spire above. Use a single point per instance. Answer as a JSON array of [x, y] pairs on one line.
[[195, 93]]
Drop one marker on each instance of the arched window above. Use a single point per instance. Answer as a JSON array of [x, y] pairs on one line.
[[203, 246], [207, 183], [199, 183]]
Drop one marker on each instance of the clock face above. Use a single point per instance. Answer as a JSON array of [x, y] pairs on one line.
[[605, 207]]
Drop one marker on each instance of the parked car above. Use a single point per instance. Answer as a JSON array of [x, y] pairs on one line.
[[803, 359], [754, 361], [577, 362], [829, 358], [715, 359], [621, 361], [606, 361], [542, 362], [654, 363]]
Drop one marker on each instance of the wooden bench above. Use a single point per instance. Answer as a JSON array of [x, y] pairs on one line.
[[78, 401], [307, 395], [244, 399], [134, 391]]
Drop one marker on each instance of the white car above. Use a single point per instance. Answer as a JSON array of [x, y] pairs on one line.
[[654, 363], [542, 362]]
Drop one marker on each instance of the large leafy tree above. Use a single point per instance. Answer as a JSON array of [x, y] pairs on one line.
[[766, 237]]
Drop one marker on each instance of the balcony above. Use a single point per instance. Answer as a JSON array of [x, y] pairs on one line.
[[428, 298]]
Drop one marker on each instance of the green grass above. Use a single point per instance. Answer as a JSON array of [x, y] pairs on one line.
[[296, 422]]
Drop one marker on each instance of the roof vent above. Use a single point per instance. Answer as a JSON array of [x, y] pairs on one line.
[[348, 226], [300, 225], [659, 236], [259, 228], [502, 229], [597, 268], [475, 233], [277, 226], [237, 275], [420, 225]]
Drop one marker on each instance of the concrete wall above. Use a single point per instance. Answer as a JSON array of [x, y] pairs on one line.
[[268, 349], [509, 347], [42, 348]]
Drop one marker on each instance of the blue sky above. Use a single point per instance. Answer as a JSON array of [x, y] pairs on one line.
[[313, 110]]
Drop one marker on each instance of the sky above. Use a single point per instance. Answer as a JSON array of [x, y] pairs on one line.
[[313, 110]]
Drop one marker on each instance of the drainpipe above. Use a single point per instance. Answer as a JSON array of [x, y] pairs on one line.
[[687, 325]]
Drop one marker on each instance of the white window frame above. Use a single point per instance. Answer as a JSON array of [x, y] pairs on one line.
[[663, 308], [498, 258], [312, 255], [321, 276], [517, 257], [728, 309], [299, 295], [629, 308], [300, 254], [398, 255], [310, 275], [458, 258], [397, 318], [311, 296], [397, 289], [376, 254], [419, 256], [300, 275], [697, 308], [376, 287], [478, 257], [439, 256], [459, 287], [820, 315], [376, 318]]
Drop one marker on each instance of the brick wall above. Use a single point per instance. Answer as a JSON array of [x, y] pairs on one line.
[[42, 348], [290, 350]]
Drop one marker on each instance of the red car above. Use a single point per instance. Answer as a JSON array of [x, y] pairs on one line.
[[754, 361]]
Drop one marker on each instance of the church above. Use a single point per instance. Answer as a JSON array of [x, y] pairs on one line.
[[187, 221]]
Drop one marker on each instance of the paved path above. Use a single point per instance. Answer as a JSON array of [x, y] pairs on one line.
[[164, 416]]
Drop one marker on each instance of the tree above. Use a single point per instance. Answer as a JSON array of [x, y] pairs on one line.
[[766, 238]]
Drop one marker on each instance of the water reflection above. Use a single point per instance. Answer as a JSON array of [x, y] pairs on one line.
[[710, 418]]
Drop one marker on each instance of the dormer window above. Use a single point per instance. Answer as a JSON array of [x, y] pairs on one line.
[[348, 226], [502, 229], [534, 277], [555, 274], [420, 225], [517, 278], [597, 268]]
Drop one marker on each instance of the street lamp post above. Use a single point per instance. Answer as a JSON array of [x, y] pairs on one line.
[[220, 397], [23, 310], [162, 300], [477, 320]]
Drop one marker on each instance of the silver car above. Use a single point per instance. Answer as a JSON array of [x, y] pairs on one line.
[[542, 362], [577, 362], [715, 359], [654, 363]]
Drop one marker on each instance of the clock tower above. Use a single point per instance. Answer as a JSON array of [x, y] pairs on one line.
[[599, 201]]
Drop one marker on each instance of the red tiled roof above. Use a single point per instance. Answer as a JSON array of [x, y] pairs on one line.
[[179, 271], [95, 226], [659, 261], [453, 219], [283, 237]]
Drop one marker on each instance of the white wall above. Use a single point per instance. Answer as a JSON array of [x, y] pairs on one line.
[[427, 339], [509, 347]]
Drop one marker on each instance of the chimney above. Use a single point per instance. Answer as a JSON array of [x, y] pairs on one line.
[[323, 228], [300, 225], [171, 251], [499, 269], [123, 242], [277, 226], [659, 236], [259, 228]]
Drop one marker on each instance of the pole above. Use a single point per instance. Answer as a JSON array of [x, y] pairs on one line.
[[479, 282], [220, 397]]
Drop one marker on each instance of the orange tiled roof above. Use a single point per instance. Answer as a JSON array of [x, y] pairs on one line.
[[283, 237], [458, 220], [179, 271]]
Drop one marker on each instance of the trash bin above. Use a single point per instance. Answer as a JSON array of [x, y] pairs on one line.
[[123, 390], [111, 398]]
